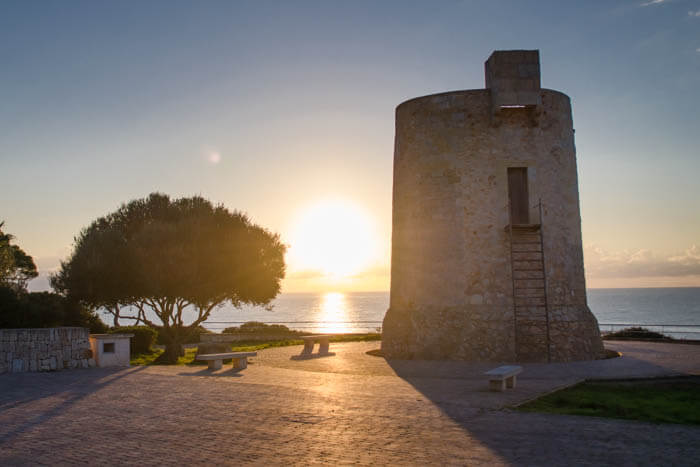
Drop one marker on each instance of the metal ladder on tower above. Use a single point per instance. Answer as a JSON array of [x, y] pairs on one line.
[[530, 305]]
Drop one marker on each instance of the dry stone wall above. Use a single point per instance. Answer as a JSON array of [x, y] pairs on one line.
[[44, 349]]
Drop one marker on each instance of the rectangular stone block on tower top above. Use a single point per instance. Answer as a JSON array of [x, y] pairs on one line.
[[513, 76]]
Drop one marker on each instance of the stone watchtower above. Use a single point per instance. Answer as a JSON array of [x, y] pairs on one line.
[[487, 261]]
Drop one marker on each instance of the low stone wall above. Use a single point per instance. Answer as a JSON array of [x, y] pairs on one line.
[[44, 349], [225, 338]]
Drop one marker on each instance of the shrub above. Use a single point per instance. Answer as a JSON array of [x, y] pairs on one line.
[[193, 339], [144, 337], [76, 314], [200, 330], [636, 332], [94, 324], [256, 327], [44, 310], [213, 347]]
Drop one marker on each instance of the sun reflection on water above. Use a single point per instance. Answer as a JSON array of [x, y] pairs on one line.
[[333, 315]]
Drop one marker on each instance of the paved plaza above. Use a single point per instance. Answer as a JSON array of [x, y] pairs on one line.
[[348, 408]]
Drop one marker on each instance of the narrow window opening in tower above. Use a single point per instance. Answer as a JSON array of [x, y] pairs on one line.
[[518, 196]]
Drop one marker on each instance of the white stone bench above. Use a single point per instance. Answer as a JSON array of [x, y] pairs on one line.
[[503, 376], [323, 344], [215, 360]]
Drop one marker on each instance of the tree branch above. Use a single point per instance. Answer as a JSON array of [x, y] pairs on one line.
[[142, 314]]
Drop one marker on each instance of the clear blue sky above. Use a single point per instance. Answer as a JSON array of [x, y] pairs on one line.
[[102, 102]]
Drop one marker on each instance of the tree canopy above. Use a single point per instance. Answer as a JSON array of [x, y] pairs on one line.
[[168, 256], [21, 309], [17, 268]]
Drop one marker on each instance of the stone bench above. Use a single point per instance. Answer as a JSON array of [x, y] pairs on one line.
[[323, 344], [215, 360], [503, 376]]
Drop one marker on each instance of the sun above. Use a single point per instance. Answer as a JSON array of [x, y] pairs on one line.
[[334, 237]]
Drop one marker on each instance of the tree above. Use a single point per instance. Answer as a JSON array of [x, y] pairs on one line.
[[44, 310], [16, 267], [163, 257], [97, 273], [20, 309]]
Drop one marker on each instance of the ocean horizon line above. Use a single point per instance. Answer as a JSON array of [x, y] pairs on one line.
[[387, 291]]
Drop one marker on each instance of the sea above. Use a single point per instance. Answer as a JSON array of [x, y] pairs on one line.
[[672, 311]]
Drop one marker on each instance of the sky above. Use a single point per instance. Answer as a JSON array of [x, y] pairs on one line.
[[281, 109]]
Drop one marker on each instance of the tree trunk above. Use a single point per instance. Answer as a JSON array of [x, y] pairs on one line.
[[173, 351], [115, 312], [173, 346]]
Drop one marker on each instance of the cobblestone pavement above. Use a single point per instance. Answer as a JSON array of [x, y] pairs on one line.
[[350, 408]]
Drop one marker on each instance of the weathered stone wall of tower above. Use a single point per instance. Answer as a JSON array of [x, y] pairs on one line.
[[451, 282]]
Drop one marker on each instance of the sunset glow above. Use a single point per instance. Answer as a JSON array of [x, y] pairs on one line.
[[334, 313], [334, 238], [284, 111]]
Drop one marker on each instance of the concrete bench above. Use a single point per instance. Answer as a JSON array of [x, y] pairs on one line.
[[503, 376], [215, 360], [323, 344]]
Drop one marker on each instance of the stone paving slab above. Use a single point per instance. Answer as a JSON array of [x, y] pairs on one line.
[[277, 413], [640, 359]]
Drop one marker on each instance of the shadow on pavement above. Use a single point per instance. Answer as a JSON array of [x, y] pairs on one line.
[[72, 385], [460, 390], [312, 356], [229, 373]]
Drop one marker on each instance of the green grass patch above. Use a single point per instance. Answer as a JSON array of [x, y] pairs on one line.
[[660, 401], [149, 358], [145, 358]]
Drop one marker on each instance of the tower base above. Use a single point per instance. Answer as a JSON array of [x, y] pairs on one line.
[[483, 333]]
